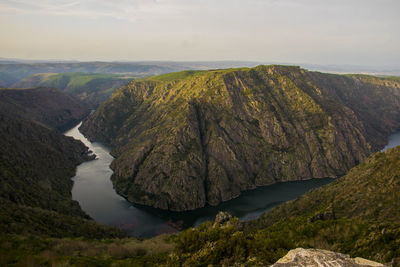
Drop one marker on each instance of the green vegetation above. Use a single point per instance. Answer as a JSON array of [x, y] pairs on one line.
[[20, 71], [36, 251], [174, 75], [222, 129], [357, 215], [37, 163], [396, 78], [47, 106], [226, 244], [310, 221], [184, 140], [30, 220], [93, 88]]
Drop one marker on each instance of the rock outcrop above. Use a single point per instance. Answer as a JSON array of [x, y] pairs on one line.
[[301, 257], [222, 217], [188, 139]]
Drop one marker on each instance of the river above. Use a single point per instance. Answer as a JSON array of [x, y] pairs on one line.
[[94, 191], [394, 140]]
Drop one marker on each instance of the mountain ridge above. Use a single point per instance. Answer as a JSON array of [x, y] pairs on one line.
[[92, 88], [49, 107], [187, 139]]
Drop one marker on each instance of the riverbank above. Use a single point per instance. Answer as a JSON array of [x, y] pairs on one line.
[[94, 191]]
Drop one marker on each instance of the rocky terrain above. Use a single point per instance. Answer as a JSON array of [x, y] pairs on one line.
[[188, 139], [356, 215], [319, 257], [368, 192], [49, 107]]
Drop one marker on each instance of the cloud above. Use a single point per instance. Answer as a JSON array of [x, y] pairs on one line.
[[121, 9]]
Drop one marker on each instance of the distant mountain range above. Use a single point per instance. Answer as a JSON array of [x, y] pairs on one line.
[[92, 88], [393, 69]]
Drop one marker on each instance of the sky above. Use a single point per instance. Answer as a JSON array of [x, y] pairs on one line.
[[361, 32]]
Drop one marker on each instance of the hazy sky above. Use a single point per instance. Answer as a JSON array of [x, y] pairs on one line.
[[295, 31]]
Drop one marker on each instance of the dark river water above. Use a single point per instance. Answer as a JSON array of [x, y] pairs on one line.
[[94, 192], [394, 140]]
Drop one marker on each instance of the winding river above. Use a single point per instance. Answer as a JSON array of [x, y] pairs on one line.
[[94, 191]]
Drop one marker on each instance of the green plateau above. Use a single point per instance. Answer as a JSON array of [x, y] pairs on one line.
[[194, 138], [92, 88], [10, 73]]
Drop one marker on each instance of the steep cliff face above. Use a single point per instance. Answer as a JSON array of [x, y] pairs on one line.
[[47, 106], [188, 139], [369, 191]]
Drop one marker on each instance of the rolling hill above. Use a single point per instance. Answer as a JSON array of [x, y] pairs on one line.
[[93, 88]]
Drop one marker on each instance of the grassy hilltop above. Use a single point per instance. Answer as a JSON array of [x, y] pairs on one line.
[[93, 88]]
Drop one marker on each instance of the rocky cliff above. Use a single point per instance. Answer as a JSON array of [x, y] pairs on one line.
[[320, 257], [188, 139]]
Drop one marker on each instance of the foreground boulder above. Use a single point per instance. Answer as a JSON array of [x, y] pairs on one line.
[[320, 257]]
